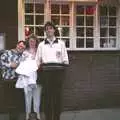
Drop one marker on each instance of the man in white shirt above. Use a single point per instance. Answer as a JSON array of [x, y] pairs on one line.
[[52, 56]]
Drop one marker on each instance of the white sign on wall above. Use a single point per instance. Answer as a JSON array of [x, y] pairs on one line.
[[2, 41]]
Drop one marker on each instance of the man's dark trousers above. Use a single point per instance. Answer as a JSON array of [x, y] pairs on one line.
[[52, 85]]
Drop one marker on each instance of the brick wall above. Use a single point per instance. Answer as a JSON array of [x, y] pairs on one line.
[[92, 81]]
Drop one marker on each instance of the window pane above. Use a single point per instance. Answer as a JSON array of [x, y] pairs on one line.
[[55, 9], [89, 32], [39, 19], [89, 43], [107, 43], [112, 42], [80, 20], [103, 42], [28, 8], [103, 32], [112, 31], [31, 29], [39, 8], [65, 9], [67, 42], [57, 32], [80, 9], [65, 31], [112, 11], [65, 20], [80, 43], [90, 10], [80, 31], [40, 31], [112, 21], [89, 20], [55, 20], [103, 21], [103, 11], [28, 19]]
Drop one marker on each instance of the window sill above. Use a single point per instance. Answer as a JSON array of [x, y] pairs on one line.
[[94, 49]]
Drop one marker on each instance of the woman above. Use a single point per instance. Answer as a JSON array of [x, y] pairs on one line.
[[28, 79]]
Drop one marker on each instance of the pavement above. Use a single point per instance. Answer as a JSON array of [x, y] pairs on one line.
[[96, 114]]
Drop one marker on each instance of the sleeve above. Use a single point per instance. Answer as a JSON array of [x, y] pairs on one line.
[[4, 60], [38, 56], [64, 54]]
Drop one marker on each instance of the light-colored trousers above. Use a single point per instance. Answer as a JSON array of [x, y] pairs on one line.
[[33, 92]]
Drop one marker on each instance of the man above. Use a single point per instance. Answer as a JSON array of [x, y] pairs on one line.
[[10, 60], [52, 56]]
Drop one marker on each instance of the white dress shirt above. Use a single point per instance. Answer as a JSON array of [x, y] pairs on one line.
[[52, 52]]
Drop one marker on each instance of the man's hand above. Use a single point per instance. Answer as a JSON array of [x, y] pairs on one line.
[[13, 65]]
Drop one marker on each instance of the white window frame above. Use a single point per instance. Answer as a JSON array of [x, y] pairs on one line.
[[21, 33], [60, 26], [84, 49], [21, 23], [117, 30]]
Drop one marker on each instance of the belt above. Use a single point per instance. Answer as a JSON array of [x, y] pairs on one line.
[[53, 66]]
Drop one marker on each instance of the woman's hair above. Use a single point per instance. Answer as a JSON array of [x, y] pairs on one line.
[[34, 37]]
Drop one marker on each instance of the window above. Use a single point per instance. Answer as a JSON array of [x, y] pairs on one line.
[[108, 27], [60, 16], [85, 26], [82, 26], [34, 17]]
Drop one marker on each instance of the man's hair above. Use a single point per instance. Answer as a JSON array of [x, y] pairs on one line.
[[48, 23], [21, 41]]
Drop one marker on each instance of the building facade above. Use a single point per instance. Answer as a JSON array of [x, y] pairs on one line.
[[90, 29]]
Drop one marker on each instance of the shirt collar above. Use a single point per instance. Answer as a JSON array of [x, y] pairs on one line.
[[47, 41]]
